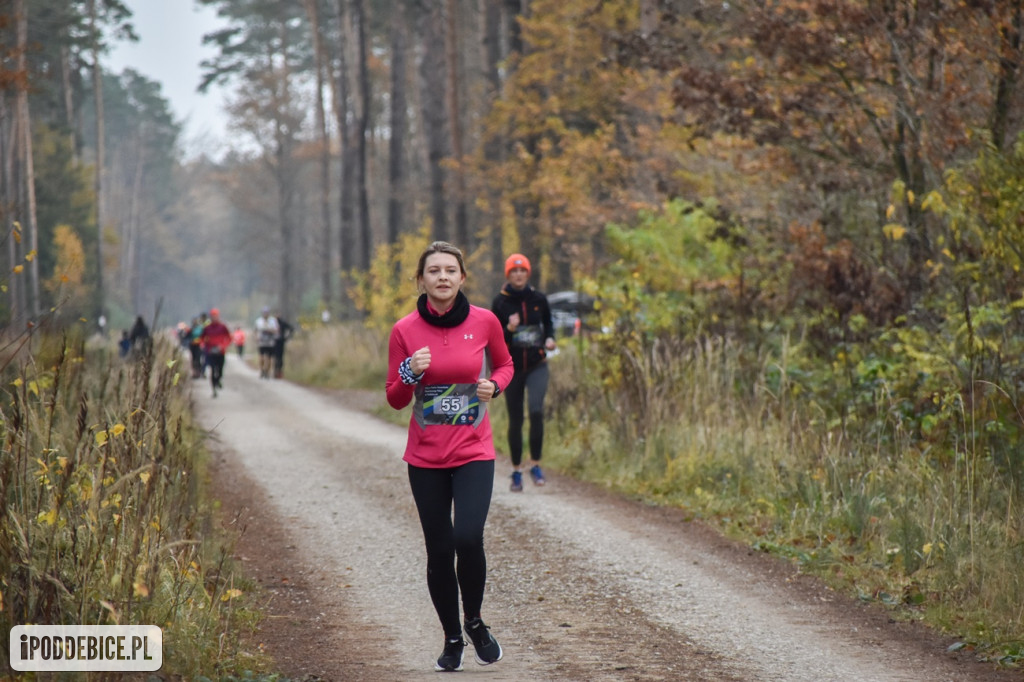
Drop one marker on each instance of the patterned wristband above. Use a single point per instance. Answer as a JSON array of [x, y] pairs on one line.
[[406, 375]]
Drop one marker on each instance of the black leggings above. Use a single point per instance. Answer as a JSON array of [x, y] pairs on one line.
[[468, 487], [532, 385], [216, 363]]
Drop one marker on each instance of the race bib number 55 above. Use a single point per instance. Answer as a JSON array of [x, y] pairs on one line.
[[451, 404]]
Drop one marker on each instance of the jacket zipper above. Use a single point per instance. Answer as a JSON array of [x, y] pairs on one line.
[[523, 321]]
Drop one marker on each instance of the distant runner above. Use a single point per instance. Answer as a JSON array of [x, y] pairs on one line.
[[525, 316], [267, 331], [285, 332], [215, 340], [239, 340]]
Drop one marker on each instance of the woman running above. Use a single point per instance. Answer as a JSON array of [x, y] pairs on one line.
[[525, 316], [449, 358]]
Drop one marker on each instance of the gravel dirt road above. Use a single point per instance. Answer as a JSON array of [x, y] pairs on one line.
[[582, 585]]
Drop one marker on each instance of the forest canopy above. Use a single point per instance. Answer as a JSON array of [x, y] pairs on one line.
[[835, 145]]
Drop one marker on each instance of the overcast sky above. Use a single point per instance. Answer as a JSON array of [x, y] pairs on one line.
[[169, 51]]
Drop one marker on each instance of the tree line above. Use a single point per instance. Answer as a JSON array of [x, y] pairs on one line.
[[823, 137]]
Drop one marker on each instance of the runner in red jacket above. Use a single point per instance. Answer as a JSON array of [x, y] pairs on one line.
[[215, 340], [450, 359], [239, 340]]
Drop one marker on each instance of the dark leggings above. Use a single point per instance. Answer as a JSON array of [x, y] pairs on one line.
[[532, 384], [435, 491], [216, 362]]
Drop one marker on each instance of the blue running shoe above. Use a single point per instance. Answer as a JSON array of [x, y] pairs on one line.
[[451, 658], [517, 482], [487, 649], [537, 475]]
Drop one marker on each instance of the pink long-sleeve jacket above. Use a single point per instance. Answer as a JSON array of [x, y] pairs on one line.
[[448, 429]]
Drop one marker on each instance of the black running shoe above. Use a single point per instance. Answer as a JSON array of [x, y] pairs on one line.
[[451, 658], [487, 649]]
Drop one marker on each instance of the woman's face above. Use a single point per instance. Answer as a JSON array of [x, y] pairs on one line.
[[518, 277], [441, 280]]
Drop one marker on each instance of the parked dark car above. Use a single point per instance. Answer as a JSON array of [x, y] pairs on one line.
[[570, 312]]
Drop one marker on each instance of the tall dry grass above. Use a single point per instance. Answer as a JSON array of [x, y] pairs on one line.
[[707, 427], [347, 355], [103, 520]]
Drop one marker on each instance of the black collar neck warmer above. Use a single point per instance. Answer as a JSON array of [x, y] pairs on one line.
[[455, 316]]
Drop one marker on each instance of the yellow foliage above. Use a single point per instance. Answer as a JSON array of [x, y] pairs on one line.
[[894, 231], [388, 291], [933, 200], [233, 593], [70, 266]]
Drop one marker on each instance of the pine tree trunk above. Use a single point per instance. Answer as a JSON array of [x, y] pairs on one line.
[[432, 101], [346, 228], [8, 144], [69, 104], [365, 230], [490, 12], [133, 236], [320, 64], [287, 180], [396, 154], [25, 128], [1009, 72], [97, 86], [455, 121]]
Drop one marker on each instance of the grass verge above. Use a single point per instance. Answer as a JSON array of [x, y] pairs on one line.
[[106, 518]]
